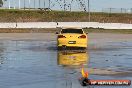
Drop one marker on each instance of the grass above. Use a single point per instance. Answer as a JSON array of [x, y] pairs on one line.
[[12, 15], [42, 30], [27, 30], [119, 31]]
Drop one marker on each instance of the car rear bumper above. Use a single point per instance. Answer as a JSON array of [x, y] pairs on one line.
[[68, 45], [76, 43]]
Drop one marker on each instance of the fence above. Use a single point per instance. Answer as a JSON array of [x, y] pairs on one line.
[[66, 5], [117, 10], [66, 24]]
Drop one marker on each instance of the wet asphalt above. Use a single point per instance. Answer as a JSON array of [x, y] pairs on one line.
[[38, 63]]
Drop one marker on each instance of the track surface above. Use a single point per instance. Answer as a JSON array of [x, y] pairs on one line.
[[32, 60]]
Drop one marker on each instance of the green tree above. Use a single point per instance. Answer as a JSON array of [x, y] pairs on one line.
[[1, 3]]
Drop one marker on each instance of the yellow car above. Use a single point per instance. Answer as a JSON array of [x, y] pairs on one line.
[[72, 37]]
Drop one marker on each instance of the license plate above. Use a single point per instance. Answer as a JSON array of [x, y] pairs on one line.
[[72, 42], [72, 57]]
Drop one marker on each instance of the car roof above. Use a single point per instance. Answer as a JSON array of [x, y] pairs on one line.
[[71, 28]]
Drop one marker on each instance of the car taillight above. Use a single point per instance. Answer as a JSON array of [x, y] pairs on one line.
[[82, 36], [61, 36]]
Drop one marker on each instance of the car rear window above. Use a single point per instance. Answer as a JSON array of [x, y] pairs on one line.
[[78, 31]]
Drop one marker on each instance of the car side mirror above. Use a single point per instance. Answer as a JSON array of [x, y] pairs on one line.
[[56, 33]]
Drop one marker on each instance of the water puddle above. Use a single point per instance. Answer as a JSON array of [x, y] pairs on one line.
[[38, 64]]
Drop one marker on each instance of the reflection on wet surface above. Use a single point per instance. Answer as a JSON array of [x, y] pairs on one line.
[[38, 64], [72, 58]]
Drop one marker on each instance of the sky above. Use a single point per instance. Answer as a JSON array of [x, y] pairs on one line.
[[95, 5]]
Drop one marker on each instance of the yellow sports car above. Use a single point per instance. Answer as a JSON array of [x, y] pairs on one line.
[[72, 37]]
